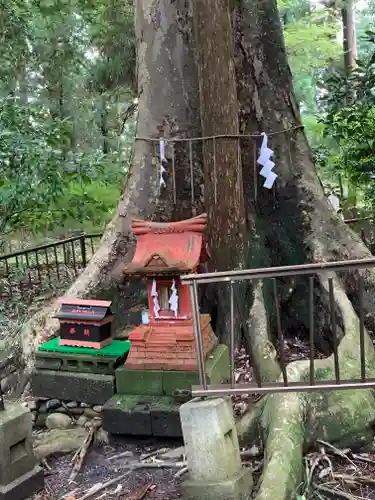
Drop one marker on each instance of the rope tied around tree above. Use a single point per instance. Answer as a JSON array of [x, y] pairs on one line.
[[167, 143]]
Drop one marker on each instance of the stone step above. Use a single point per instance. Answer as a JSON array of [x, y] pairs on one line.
[[91, 388], [142, 416]]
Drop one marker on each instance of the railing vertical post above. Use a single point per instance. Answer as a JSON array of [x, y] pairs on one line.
[[231, 336], [82, 241], [193, 289]]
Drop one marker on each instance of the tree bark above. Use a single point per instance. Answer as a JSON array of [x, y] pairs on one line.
[[227, 232], [168, 107], [219, 116]]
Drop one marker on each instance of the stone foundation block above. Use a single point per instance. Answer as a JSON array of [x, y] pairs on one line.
[[139, 382], [87, 387], [238, 487], [165, 418], [142, 416], [127, 414], [211, 440], [24, 486]]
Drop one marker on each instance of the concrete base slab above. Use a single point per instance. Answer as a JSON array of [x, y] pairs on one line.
[[237, 488], [86, 387], [24, 486], [142, 416], [128, 415]]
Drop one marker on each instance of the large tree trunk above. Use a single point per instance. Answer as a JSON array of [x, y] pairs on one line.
[[295, 224], [227, 232], [168, 106]]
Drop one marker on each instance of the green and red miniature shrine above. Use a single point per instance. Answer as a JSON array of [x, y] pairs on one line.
[[142, 381]]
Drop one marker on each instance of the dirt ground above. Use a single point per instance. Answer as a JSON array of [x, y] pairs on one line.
[[99, 468]]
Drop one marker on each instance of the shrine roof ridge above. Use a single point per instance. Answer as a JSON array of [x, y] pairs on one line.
[[196, 224]]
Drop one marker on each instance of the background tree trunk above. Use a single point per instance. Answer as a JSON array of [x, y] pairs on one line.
[[168, 107], [349, 36]]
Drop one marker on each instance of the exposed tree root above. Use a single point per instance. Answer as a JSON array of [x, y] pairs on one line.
[[263, 351], [291, 422]]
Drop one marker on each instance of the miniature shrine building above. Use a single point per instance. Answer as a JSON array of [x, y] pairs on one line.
[[85, 323], [165, 251]]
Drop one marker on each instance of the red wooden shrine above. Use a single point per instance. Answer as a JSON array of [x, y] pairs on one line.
[[164, 251]]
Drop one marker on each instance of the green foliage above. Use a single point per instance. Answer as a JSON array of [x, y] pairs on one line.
[[349, 122], [66, 78], [310, 38], [30, 161]]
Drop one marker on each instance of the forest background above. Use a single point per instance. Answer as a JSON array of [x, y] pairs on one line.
[[68, 103]]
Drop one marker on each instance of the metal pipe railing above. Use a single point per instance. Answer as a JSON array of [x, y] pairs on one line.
[[230, 277]]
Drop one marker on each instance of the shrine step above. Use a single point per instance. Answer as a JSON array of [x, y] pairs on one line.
[[142, 416], [68, 386]]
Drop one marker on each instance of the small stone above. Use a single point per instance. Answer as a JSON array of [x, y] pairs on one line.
[[32, 405], [82, 420], [62, 409], [98, 408], [57, 441], [43, 407], [76, 411], [41, 420], [85, 405], [96, 422], [72, 404], [53, 404], [58, 421], [88, 412], [9, 382]]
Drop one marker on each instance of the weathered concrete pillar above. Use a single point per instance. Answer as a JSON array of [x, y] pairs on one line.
[[20, 476], [213, 453]]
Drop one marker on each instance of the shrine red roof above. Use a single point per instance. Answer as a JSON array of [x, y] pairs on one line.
[[175, 247]]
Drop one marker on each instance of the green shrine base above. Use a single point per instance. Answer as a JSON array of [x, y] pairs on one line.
[[143, 404], [164, 383], [51, 356], [116, 348]]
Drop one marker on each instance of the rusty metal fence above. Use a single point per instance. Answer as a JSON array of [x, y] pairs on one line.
[[49, 265], [274, 273]]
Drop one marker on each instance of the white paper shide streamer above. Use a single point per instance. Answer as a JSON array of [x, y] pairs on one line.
[[162, 160], [265, 161], [173, 299], [154, 294]]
